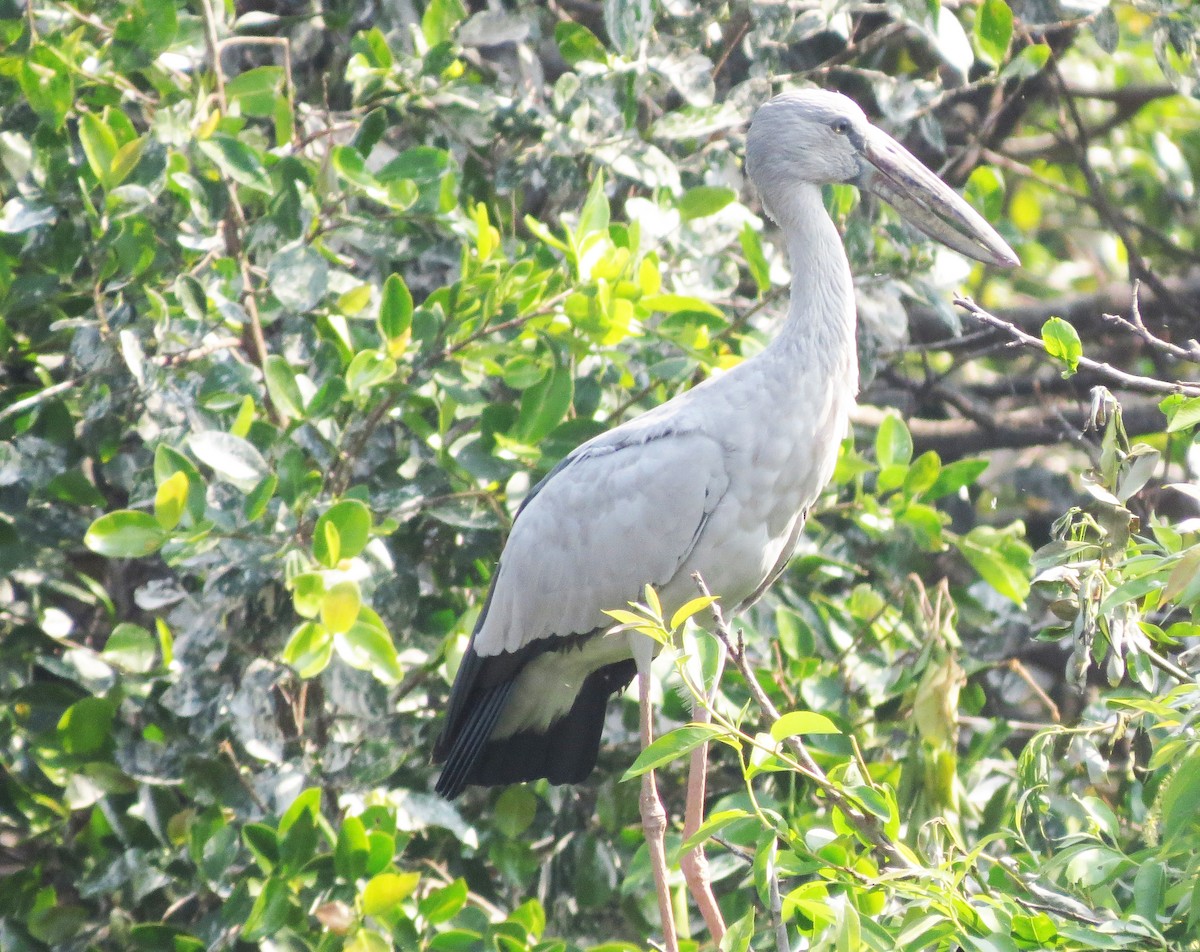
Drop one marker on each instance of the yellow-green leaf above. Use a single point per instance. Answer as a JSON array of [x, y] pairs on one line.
[[386, 891], [340, 605], [125, 534], [171, 500], [99, 147], [794, 723]]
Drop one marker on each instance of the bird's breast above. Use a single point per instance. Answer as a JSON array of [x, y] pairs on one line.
[[779, 460]]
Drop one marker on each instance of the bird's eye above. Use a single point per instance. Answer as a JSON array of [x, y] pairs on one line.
[[841, 126]]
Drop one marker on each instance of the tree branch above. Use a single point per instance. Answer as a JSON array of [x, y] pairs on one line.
[[1121, 378]]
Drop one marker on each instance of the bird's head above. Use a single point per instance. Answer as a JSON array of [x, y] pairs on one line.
[[817, 137]]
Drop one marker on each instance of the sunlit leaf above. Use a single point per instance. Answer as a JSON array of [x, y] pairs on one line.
[[125, 534], [671, 746]]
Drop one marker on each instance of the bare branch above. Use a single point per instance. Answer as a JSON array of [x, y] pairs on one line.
[[1135, 324], [1117, 376], [1084, 311]]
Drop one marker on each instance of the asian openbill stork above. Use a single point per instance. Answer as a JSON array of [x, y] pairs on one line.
[[717, 481]]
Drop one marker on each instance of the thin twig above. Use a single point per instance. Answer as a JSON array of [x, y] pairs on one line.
[[234, 224], [1014, 665], [776, 902], [28, 403], [1135, 324], [1122, 378]]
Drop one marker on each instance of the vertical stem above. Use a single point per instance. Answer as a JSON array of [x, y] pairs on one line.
[[777, 923], [654, 821]]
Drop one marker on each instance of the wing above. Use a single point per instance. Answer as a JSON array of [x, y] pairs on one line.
[[624, 510], [616, 516]]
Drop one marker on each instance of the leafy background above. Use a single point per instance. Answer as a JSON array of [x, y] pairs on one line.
[[297, 302]]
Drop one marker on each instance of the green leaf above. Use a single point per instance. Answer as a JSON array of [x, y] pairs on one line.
[[350, 165], [756, 261], [170, 500], [922, 475], [544, 405], [253, 92], [168, 461], [671, 746], [308, 589], [86, 725], [993, 30], [299, 278], [740, 934], [126, 160], [578, 44], [369, 648], [594, 216], [237, 161], [628, 23], [340, 606], [954, 476], [131, 648], [704, 200], [1001, 559], [1180, 799], [1149, 889], [893, 443], [230, 457], [1061, 341], [515, 810], [365, 940], [270, 911], [1182, 412], [1029, 62], [149, 27], [352, 520], [985, 190], [443, 904], [395, 313], [257, 499], [678, 303], [386, 891], [125, 534], [282, 386], [440, 19], [263, 842], [688, 609], [803, 722], [299, 841], [47, 83], [713, 824], [309, 649], [368, 369], [352, 850], [99, 146]]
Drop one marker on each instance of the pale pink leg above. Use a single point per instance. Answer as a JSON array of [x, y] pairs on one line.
[[694, 863]]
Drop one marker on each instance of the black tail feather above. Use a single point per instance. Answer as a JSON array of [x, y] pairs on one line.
[[464, 751], [565, 752]]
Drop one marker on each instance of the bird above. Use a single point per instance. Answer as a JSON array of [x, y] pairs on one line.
[[716, 481]]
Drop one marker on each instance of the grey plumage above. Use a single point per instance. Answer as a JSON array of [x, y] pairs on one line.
[[717, 480]]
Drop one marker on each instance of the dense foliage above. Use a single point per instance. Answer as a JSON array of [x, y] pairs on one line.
[[297, 302]]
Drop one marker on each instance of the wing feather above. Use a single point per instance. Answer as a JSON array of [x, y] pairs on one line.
[[615, 517]]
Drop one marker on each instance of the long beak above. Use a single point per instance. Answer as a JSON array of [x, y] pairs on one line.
[[898, 177]]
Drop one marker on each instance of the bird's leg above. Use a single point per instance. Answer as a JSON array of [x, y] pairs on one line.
[[694, 863], [654, 817]]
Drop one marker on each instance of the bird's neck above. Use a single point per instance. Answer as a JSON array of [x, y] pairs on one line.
[[820, 331]]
